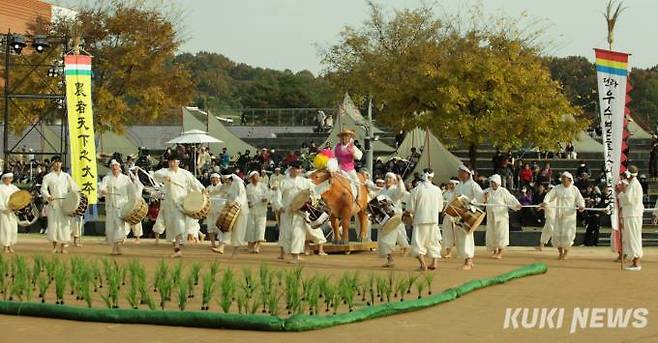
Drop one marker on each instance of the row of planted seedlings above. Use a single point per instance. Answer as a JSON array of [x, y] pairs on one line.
[[277, 292]]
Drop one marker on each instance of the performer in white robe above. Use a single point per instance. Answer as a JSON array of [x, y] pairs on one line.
[[178, 183], [54, 187], [275, 183], [217, 201], [257, 197], [448, 225], [116, 188], [632, 209], [396, 192], [499, 200], [425, 204], [470, 189], [293, 229], [235, 191], [549, 222], [136, 191], [8, 219], [567, 199], [193, 230]]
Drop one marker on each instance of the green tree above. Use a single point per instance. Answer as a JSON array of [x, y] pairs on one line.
[[468, 82], [577, 77], [644, 95]]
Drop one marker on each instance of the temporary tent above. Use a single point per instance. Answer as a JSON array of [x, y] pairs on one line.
[[413, 139], [192, 119], [585, 143], [437, 157], [636, 131], [348, 116], [110, 142]]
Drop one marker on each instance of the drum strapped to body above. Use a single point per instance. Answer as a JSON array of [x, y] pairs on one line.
[[196, 205], [28, 215], [19, 200], [74, 204], [315, 213], [228, 216], [135, 210], [470, 216], [382, 211]]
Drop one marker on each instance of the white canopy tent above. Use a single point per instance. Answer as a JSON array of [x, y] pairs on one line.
[[437, 157]]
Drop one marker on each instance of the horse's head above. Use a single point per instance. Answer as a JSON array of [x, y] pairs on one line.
[[319, 176]]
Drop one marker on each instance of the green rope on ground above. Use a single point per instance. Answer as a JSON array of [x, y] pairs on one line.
[[220, 320]]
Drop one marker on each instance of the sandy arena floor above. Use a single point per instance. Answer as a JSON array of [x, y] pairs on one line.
[[588, 279]]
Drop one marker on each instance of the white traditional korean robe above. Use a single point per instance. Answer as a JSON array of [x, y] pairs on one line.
[[566, 200], [386, 242], [448, 224], [425, 203], [118, 189], [217, 202], [465, 242], [497, 235], [632, 210], [183, 182], [8, 220], [257, 196], [237, 192], [549, 223], [59, 224], [294, 229]]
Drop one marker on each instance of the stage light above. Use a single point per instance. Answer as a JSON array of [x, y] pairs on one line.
[[40, 44], [17, 43]]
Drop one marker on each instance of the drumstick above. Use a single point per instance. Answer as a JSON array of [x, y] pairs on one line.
[[175, 183]]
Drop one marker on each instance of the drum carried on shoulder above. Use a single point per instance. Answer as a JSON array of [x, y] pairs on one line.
[[314, 211], [471, 216], [196, 205], [382, 211], [74, 204], [228, 216], [26, 211], [135, 210]]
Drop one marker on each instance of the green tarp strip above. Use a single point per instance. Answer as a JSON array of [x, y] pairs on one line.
[[256, 322]]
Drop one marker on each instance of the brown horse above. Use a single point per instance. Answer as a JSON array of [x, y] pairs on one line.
[[341, 203]]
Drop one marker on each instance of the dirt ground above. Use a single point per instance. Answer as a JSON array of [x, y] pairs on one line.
[[587, 279]]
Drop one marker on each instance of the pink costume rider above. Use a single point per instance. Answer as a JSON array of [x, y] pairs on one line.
[[346, 153]]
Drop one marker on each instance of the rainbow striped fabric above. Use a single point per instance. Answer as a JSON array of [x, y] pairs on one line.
[[611, 62]]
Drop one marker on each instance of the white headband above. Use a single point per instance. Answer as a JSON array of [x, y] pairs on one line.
[[495, 178], [7, 175], [465, 168], [252, 174], [392, 175], [568, 175], [113, 162], [454, 182], [215, 175], [427, 176]]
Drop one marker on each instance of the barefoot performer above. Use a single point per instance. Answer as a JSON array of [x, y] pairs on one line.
[[396, 191], [8, 219], [632, 209], [54, 187], [293, 226], [448, 226], [216, 203], [425, 204], [235, 191], [549, 222], [567, 198], [115, 187], [498, 199], [178, 183]]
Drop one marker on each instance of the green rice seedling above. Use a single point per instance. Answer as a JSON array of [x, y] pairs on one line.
[[20, 277], [253, 304], [114, 286], [273, 303], [293, 297], [329, 295], [195, 272], [411, 279], [381, 285], [133, 296], [279, 277], [176, 273], [264, 275], [164, 289], [429, 279], [214, 269], [148, 300], [51, 265], [241, 301], [37, 268], [420, 286], [182, 295], [122, 272], [313, 299], [402, 288], [227, 290], [60, 283], [44, 284], [190, 286], [108, 268], [84, 285], [371, 295], [336, 300], [388, 290], [265, 289], [348, 295], [323, 281], [3, 278], [161, 272], [248, 277], [208, 289], [97, 279]]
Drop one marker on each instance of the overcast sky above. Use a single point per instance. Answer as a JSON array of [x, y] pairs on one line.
[[286, 34]]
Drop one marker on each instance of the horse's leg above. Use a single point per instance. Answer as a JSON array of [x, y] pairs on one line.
[[363, 224], [335, 227], [345, 222]]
